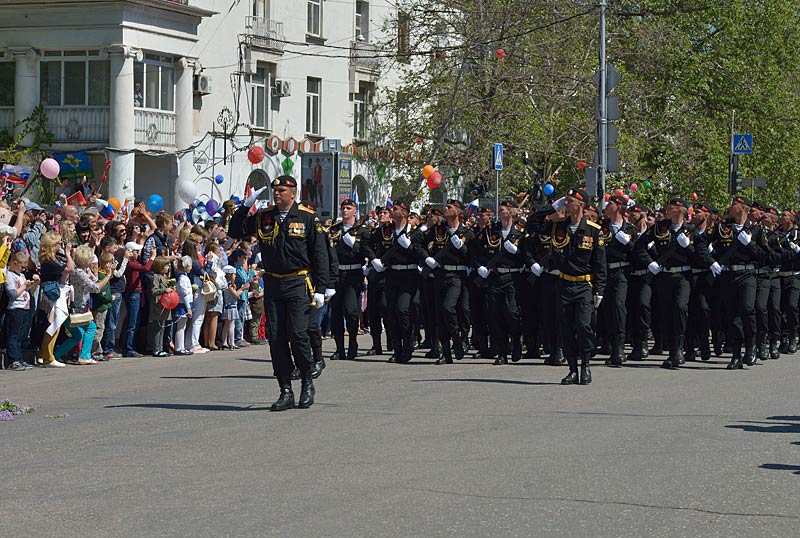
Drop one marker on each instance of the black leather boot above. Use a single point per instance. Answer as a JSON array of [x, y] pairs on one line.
[[763, 351], [638, 351], [306, 392], [677, 356], [750, 357], [572, 377], [286, 399], [705, 350], [792, 349], [337, 356], [317, 367], [556, 358], [516, 349], [774, 353], [501, 360], [458, 348], [586, 373], [295, 374], [784, 347], [736, 359], [352, 349], [434, 353]]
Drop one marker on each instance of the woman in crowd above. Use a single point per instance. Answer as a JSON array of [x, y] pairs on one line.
[[56, 265]]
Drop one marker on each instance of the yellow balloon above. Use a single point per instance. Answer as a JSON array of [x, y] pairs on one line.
[[114, 203], [427, 170]]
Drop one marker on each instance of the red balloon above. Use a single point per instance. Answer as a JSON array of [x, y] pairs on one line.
[[694, 196], [581, 164], [434, 180], [501, 54], [606, 197], [619, 192], [169, 300], [255, 154]]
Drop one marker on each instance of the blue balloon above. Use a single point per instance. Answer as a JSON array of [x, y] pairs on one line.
[[549, 189], [236, 199], [219, 179], [155, 203]]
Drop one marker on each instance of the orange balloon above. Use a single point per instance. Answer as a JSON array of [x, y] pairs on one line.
[[427, 170], [114, 203], [694, 196]]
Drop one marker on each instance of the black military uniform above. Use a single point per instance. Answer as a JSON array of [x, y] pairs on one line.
[[428, 291], [701, 295], [501, 259], [736, 251], [640, 293], [778, 252], [293, 251], [670, 262], [401, 264], [619, 242], [352, 247], [478, 309], [579, 254], [790, 284], [449, 260]]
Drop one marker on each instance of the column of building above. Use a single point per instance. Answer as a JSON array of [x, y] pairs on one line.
[[26, 86], [184, 125]]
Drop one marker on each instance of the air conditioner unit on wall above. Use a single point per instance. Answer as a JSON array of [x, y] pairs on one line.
[[202, 84], [281, 88]]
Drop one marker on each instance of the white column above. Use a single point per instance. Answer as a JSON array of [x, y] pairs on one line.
[[184, 125], [121, 129], [26, 85]]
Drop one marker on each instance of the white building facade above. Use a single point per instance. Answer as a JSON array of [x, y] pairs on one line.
[[172, 91]]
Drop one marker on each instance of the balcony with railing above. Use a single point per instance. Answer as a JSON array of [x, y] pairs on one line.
[[365, 56], [154, 128], [265, 33], [78, 125]]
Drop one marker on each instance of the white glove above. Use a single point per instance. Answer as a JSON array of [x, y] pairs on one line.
[[510, 247], [469, 271], [349, 239], [559, 204], [457, 242], [404, 241], [715, 268], [423, 228], [536, 269], [377, 264], [710, 248], [484, 272], [683, 240], [365, 270], [654, 268], [622, 237], [795, 248], [597, 300], [744, 238], [430, 262], [319, 300], [329, 293], [253, 197]]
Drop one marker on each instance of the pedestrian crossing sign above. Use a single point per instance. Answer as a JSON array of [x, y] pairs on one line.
[[497, 157], [742, 144]]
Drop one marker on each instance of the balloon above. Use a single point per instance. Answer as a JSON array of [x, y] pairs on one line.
[[155, 202], [549, 189], [501, 54], [50, 168], [219, 179], [434, 180], [255, 155], [427, 170], [114, 203], [694, 197], [647, 185], [582, 164], [606, 197], [169, 300], [212, 206], [634, 187], [236, 199], [187, 191]]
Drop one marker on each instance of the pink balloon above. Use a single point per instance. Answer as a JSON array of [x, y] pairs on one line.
[[634, 187], [50, 168]]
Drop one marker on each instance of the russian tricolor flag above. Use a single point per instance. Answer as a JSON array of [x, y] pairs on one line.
[[473, 205], [389, 204], [106, 209]]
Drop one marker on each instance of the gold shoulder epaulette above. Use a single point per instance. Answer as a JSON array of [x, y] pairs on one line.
[[306, 209], [593, 224]]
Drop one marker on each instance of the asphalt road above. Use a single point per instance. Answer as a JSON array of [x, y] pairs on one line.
[[185, 447]]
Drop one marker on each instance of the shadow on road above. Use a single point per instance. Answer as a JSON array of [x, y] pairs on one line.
[[189, 407], [218, 377], [500, 381], [247, 359], [780, 424], [781, 467]]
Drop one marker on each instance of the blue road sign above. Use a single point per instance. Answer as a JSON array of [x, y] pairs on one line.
[[497, 156], [742, 144]]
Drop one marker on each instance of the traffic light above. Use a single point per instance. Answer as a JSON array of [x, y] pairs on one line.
[[734, 176]]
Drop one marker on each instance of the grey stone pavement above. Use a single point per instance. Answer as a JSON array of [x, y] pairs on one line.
[[180, 447]]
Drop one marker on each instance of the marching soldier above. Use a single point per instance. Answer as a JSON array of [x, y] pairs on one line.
[[398, 250], [449, 261], [500, 261], [790, 284], [777, 254], [702, 286], [579, 254], [431, 230], [293, 251], [376, 298], [619, 237], [671, 266], [640, 292], [477, 291], [351, 244]]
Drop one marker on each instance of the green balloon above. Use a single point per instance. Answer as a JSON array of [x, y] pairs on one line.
[[646, 185]]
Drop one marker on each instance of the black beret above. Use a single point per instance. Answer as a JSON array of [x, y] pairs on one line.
[[677, 201], [284, 181], [348, 201], [742, 200], [508, 203], [580, 194], [619, 200], [455, 203]]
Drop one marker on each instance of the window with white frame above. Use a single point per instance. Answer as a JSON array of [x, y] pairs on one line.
[[154, 83], [362, 20], [259, 98], [313, 104], [314, 24], [74, 78], [360, 102]]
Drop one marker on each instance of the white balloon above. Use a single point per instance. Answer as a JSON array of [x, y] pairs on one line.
[[187, 191]]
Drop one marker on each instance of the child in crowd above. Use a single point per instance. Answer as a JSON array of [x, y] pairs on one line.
[[158, 314], [183, 311], [230, 312], [101, 303], [19, 291]]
